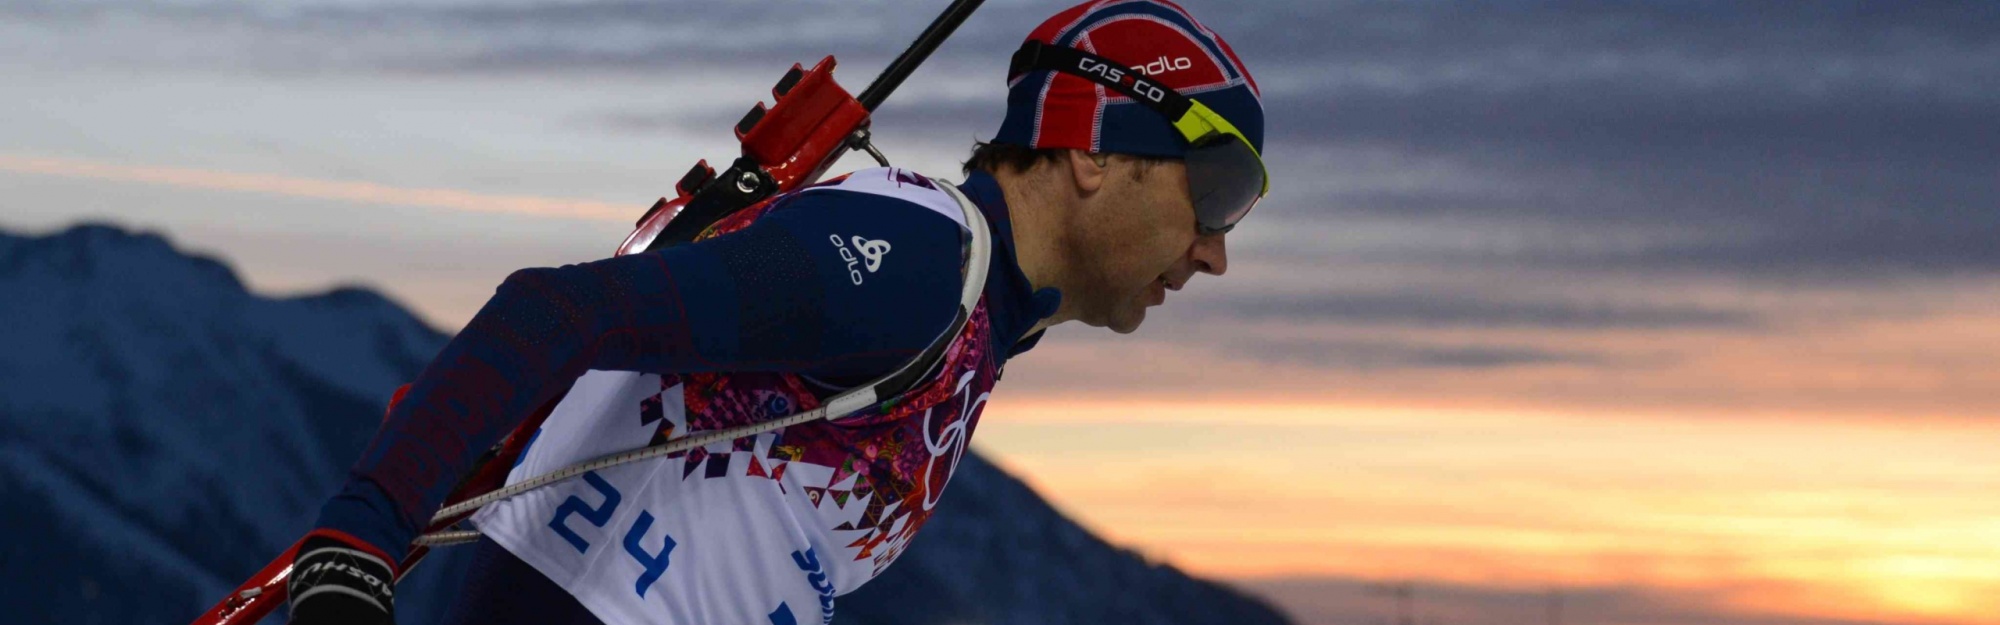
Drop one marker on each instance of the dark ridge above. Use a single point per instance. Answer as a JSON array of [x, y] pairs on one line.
[[77, 252]]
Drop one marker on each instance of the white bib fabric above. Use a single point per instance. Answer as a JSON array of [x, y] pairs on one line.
[[763, 529]]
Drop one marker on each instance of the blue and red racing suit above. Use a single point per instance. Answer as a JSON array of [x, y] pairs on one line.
[[769, 313]]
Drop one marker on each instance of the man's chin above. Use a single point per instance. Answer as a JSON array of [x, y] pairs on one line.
[[1128, 322], [1120, 320]]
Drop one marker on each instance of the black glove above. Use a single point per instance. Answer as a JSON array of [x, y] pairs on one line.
[[337, 583]]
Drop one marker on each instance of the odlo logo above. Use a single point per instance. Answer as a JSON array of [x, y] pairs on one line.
[[1163, 65], [871, 252]]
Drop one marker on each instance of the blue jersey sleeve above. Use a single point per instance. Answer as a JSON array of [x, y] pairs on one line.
[[837, 285]]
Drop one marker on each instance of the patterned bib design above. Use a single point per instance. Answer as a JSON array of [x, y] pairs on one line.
[[762, 529]]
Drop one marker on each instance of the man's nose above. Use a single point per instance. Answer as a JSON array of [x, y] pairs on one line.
[[1210, 254]]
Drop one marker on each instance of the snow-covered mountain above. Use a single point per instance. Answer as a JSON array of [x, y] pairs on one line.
[[164, 432]]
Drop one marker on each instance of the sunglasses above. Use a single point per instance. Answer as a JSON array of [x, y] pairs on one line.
[[1226, 175]]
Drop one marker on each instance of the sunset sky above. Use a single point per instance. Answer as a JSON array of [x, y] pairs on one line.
[[1677, 313]]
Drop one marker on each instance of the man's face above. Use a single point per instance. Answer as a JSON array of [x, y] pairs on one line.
[[1140, 229]]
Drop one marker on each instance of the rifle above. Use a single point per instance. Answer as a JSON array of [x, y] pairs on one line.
[[811, 123]]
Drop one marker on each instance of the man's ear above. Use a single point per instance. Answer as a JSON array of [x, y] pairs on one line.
[[1087, 170]]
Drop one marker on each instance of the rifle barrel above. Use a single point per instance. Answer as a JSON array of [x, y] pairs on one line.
[[904, 65]]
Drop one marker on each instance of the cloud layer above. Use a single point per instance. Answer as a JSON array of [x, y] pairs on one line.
[[1508, 147]]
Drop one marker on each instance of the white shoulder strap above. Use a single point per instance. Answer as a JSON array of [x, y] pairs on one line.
[[978, 257]]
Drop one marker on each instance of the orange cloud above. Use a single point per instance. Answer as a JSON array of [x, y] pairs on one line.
[[1820, 357], [347, 191], [1860, 519]]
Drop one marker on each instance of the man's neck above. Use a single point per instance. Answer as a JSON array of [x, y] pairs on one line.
[[1039, 236]]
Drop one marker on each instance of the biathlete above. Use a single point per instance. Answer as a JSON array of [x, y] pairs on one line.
[[1131, 146]]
